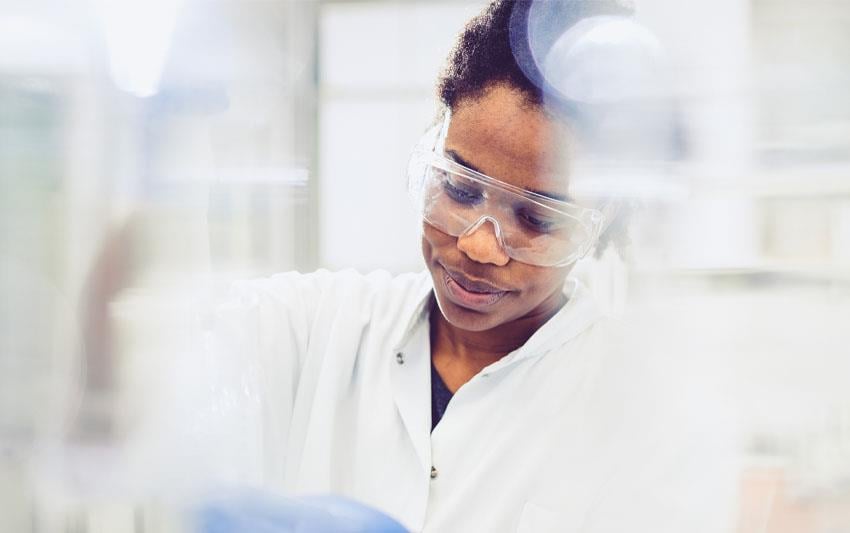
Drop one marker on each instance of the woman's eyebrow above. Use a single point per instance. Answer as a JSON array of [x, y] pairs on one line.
[[454, 156]]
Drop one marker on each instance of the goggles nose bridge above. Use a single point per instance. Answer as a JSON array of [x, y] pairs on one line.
[[497, 230]]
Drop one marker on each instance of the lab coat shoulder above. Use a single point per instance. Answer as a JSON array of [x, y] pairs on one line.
[[356, 303], [295, 315]]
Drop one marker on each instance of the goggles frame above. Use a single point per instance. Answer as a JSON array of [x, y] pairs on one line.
[[592, 220], [430, 148]]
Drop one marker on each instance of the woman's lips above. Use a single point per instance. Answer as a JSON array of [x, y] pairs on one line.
[[466, 293]]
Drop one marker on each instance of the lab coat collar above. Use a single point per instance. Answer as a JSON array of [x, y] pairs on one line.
[[421, 307], [579, 313]]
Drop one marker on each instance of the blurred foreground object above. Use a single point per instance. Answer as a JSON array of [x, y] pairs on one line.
[[260, 513]]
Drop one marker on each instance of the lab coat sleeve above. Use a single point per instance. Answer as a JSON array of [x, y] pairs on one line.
[[258, 334]]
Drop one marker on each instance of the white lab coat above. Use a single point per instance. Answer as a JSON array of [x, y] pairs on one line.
[[576, 431]]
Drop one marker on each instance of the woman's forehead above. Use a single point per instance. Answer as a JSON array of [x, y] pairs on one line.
[[500, 135]]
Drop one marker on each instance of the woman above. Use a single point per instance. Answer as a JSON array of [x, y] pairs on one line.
[[467, 398]]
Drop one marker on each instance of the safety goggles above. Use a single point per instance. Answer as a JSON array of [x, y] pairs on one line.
[[530, 227]]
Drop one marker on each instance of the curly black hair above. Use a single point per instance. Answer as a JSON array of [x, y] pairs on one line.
[[493, 49]]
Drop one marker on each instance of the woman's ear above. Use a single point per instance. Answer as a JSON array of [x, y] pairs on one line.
[[614, 228]]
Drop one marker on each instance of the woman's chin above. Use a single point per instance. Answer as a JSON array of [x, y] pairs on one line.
[[464, 318]]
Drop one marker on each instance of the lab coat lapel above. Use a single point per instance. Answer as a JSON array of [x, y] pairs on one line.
[[579, 313], [411, 382]]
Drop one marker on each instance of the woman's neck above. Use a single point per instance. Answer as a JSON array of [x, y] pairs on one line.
[[477, 349]]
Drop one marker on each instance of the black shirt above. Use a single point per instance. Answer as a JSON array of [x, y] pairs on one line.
[[440, 396]]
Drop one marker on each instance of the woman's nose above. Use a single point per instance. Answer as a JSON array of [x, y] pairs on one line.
[[482, 245]]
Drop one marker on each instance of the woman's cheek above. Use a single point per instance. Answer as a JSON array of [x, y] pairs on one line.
[[433, 239]]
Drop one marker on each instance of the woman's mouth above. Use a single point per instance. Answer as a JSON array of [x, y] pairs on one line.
[[469, 293]]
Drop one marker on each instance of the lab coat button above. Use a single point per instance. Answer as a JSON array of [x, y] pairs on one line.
[[399, 357], [433, 473]]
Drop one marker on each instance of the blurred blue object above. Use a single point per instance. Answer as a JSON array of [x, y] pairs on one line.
[[262, 513]]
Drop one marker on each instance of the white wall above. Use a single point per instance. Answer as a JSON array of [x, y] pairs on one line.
[[379, 63]]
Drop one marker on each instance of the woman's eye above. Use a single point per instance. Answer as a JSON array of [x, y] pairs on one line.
[[538, 223], [461, 194]]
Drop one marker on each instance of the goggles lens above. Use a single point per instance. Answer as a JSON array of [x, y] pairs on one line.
[[531, 228]]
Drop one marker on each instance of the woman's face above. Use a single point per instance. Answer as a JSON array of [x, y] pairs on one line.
[[478, 287]]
